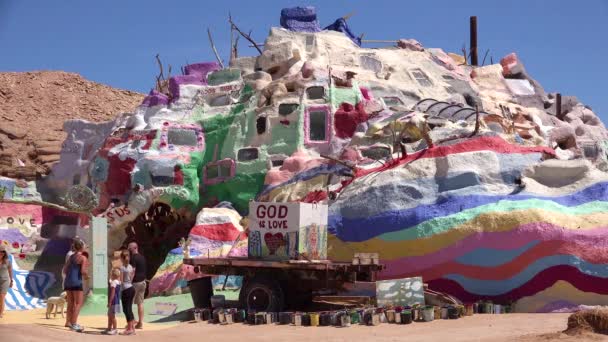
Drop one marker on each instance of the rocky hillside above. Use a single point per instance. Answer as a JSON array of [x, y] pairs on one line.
[[33, 108]]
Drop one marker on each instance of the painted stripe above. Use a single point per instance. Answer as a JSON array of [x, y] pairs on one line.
[[218, 232], [491, 257], [487, 223], [349, 229], [542, 280], [555, 240]]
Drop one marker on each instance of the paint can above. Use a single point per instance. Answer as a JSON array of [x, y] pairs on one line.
[[390, 316], [306, 319], [229, 318], [297, 319], [334, 319], [375, 319], [398, 317], [285, 318], [196, 315], [406, 317], [251, 318], [508, 308], [314, 319], [468, 309], [398, 309], [325, 319], [269, 318], [476, 308], [344, 319], [240, 316], [488, 308], [444, 312], [215, 316], [428, 313], [437, 312], [452, 312], [497, 309], [461, 310], [355, 318], [260, 318]]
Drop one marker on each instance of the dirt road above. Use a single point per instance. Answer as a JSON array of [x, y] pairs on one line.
[[509, 327]]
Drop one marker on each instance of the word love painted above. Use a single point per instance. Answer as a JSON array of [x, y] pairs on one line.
[[21, 221], [272, 216]]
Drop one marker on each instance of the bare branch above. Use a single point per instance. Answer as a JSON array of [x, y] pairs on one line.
[[246, 36], [484, 57], [476, 122], [217, 56], [160, 66]]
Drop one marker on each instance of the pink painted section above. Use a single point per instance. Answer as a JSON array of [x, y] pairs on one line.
[[12, 210], [299, 161]]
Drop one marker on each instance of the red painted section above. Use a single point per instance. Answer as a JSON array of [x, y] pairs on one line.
[[541, 281], [178, 176], [119, 175], [346, 119], [216, 232], [315, 196]]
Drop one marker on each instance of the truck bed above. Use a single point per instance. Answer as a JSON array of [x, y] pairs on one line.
[[207, 264]]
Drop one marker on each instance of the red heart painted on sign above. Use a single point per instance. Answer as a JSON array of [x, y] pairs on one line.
[[273, 242]]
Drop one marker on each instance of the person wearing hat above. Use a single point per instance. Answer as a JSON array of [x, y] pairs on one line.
[[6, 276]]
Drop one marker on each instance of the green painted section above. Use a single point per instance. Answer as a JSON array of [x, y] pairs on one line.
[[340, 95], [238, 190], [443, 224], [223, 76]]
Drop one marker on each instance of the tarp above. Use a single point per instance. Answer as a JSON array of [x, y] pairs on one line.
[[340, 25]]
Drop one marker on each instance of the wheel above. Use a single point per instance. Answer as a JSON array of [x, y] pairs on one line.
[[262, 294]]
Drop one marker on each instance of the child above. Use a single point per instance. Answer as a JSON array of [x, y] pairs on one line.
[[113, 301]]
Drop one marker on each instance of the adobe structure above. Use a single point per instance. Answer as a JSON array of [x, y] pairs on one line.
[[472, 177]]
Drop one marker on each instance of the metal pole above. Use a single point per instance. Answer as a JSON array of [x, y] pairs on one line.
[[558, 106], [473, 34]]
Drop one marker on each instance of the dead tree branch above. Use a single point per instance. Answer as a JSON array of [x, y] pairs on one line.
[[217, 56], [484, 57], [476, 123], [246, 36], [338, 161]]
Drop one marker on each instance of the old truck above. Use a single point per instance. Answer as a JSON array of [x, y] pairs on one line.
[[287, 264]]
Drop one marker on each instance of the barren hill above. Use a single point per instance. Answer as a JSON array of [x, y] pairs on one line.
[[33, 108]]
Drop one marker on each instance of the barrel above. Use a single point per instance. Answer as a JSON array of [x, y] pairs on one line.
[[251, 318], [355, 318], [390, 316], [201, 291]]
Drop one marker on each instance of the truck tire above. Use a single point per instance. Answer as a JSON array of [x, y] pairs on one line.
[[262, 294]]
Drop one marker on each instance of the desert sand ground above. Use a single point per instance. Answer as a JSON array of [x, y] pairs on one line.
[[508, 327]]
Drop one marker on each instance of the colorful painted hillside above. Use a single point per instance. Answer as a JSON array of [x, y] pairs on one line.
[[468, 176]]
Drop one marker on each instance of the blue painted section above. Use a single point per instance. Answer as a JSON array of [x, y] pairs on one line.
[[501, 286], [365, 228], [29, 288], [339, 170], [491, 257]]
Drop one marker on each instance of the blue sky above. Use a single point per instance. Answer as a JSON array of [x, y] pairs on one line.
[[562, 42]]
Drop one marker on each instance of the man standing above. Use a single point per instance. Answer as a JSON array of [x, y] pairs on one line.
[[139, 281]]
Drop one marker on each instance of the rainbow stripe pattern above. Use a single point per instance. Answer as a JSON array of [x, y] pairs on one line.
[[457, 216]]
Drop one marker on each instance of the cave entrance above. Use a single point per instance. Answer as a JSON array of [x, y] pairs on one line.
[[157, 231]]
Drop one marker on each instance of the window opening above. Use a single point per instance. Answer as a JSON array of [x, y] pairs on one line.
[[260, 124], [182, 137], [317, 125], [287, 108], [421, 77], [315, 93], [246, 154]]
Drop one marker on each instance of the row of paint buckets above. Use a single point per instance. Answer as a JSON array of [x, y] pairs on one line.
[[343, 318], [491, 308]]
